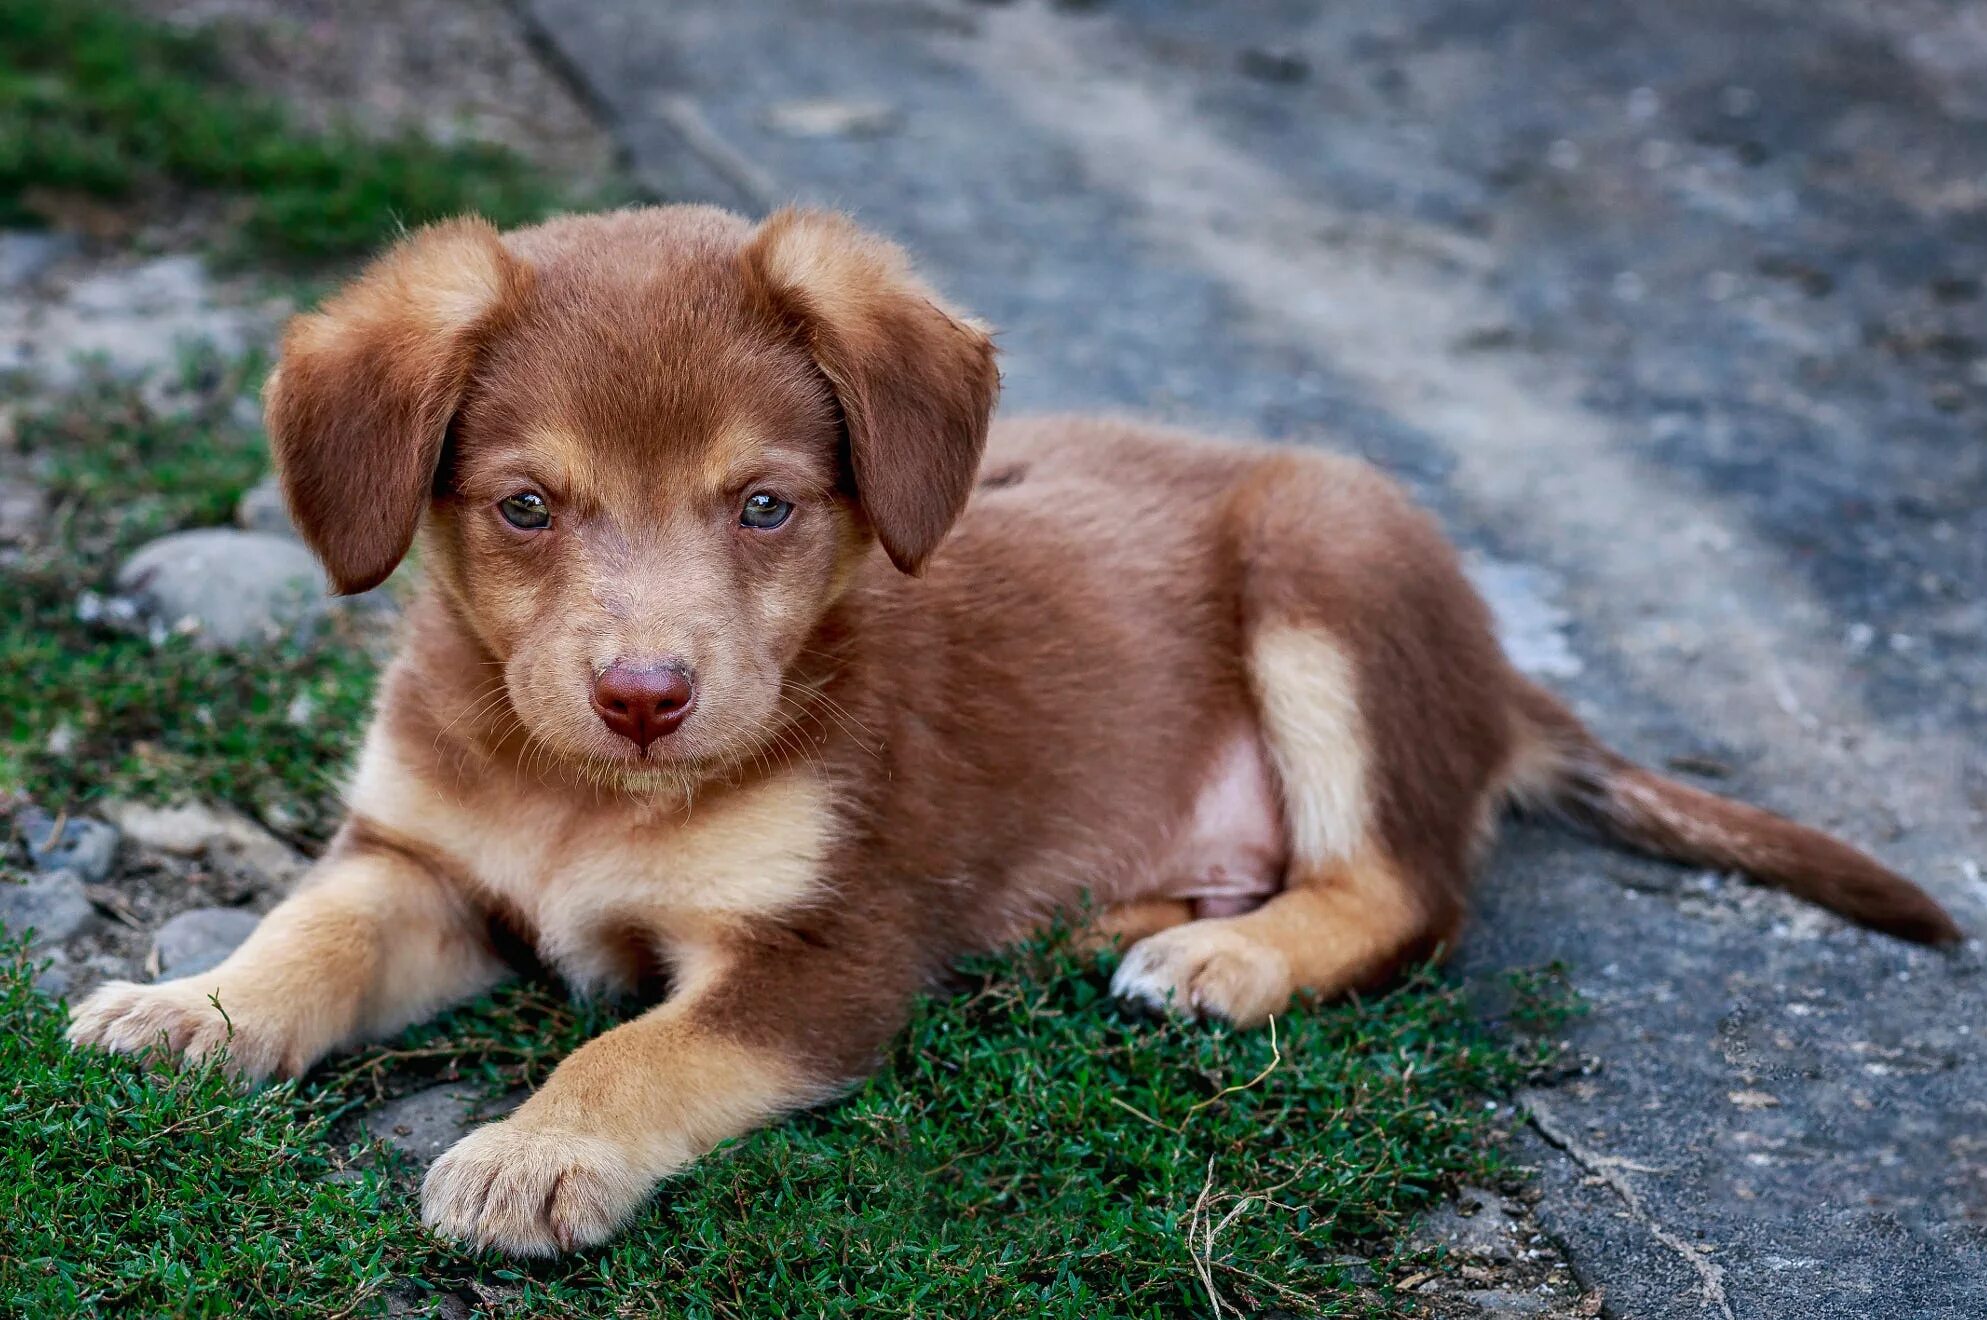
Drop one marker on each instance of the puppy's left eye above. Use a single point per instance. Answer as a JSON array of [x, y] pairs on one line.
[[526, 511], [764, 511]]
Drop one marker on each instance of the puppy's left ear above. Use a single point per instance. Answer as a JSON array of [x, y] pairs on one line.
[[916, 382]]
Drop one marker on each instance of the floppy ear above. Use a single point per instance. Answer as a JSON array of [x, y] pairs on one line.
[[916, 382], [361, 401]]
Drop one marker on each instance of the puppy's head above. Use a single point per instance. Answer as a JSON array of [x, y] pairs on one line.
[[647, 448]]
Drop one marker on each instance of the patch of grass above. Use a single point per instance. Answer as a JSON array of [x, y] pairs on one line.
[[122, 1194], [1026, 1151], [98, 102], [88, 709]]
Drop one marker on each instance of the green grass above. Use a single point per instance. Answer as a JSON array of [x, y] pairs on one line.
[[99, 103], [1026, 1151]]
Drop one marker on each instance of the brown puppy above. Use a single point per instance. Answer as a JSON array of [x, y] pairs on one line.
[[664, 703]]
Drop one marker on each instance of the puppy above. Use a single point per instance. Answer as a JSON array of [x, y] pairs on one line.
[[734, 661]]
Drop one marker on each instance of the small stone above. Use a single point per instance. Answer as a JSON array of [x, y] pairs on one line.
[[85, 846], [26, 255], [54, 980], [197, 941], [1276, 64], [229, 841], [428, 1122], [261, 509], [1502, 1301], [54, 906], [227, 587], [1485, 1232], [827, 118], [182, 831]]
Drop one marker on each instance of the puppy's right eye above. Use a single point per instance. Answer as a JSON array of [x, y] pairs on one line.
[[526, 511]]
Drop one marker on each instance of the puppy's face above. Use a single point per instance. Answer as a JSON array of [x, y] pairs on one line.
[[649, 450], [645, 563]]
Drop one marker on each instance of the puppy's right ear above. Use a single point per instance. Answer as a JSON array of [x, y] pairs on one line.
[[361, 401]]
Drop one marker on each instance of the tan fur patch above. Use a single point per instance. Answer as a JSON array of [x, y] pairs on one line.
[[1311, 720], [581, 871]]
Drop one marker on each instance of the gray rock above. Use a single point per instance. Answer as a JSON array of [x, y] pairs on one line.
[[261, 510], [26, 254], [183, 830], [197, 941], [85, 846], [1474, 1225], [224, 586], [54, 980], [54, 906], [1502, 1301], [826, 118], [228, 840], [426, 1123]]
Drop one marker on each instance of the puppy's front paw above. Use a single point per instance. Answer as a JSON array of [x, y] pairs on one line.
[[531, 1191], [1204, 969], [178, 1020]]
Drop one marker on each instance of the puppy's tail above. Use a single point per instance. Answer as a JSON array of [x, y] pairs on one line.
[[1569, 772]]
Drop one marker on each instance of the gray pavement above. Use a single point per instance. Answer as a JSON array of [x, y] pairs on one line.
[[1675, 314]]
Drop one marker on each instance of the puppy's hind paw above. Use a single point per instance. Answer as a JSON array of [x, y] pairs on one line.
[[1205, 969], [527, 1191]]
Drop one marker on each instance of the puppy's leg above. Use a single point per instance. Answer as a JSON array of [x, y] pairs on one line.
[[1122, 925], [1331, 930], [753, 1033], [371, 942], [1350, 912]]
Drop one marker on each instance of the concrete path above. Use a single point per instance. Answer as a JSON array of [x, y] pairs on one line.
[[1675, 314]]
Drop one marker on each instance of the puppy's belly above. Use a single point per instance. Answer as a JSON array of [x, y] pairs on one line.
[[1233, 853]]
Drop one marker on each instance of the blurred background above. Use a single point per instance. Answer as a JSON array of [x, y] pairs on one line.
[[1674, 313]]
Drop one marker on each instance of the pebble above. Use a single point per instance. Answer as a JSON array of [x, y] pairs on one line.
[[1502, 1301], [426, 1123], [825, 118], [1488, 1233], [55, 979], [53, 905], [227, 840], [197, 941], [26, 253], [225, 586], [85, 846], [261, 509]]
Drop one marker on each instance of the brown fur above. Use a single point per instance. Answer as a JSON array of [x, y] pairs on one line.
[[1240, 698]]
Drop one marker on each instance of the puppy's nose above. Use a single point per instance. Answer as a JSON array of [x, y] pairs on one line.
[[643, 702]]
